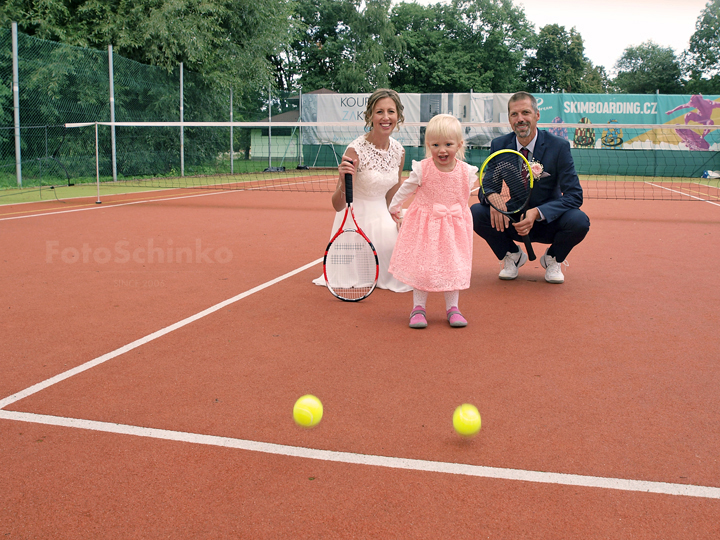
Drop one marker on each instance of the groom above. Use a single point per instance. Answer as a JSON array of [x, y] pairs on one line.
[[553, 216]]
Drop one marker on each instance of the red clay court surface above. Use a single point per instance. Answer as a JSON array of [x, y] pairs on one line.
[[144, 397]]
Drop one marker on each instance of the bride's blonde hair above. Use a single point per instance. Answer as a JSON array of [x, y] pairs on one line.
[[445, 125]]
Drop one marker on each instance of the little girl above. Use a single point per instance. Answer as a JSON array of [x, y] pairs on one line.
[[433, 252]]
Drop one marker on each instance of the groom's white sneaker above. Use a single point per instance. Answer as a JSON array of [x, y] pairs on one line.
[[553, 270], [511, 263]]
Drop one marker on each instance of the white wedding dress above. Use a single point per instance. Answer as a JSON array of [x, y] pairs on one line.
[[377, 173]]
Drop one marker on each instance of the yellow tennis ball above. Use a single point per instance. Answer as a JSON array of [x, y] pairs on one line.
[[466, 420], [308, 411]]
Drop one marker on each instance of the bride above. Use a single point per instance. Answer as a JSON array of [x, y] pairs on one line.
[[375, 160]]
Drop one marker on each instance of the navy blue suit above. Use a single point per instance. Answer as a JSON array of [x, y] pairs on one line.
[[558, 196]]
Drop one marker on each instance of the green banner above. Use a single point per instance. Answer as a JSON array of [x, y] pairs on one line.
[[686, 118]]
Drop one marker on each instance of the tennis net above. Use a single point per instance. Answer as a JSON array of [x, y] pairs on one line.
[[614, 161]]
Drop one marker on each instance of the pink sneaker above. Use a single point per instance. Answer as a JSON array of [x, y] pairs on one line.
[[455, 318], [417, 318]]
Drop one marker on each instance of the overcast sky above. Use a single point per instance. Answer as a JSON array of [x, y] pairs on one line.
[[608, 27]]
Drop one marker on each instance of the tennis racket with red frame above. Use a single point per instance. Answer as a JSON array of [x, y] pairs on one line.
[[506, 180], [350, 264]]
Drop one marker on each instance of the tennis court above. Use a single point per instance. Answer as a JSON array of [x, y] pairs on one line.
[[154, 344]]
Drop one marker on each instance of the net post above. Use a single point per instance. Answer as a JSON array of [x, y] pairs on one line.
[[232, 159]]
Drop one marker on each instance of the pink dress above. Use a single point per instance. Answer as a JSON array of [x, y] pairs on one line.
[[434, 249]]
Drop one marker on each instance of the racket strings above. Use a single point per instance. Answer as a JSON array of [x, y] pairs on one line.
[[351, 266], [506, 183]]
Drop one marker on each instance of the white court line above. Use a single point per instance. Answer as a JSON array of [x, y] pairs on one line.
[[664, 488], [706, 185], [682, 193], [100, 206], [142, 341]]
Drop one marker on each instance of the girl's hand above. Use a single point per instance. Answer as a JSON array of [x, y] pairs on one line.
[[398, 218]]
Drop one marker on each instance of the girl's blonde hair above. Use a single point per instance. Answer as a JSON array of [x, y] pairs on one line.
[[377, 95], [445, 125]]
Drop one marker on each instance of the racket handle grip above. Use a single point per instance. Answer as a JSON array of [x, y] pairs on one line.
[[529, 248], [348, 189]]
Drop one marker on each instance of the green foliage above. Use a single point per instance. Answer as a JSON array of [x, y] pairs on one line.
[[559, 62], [648, 68], [702, 59], [467, 45], [341, 45], [229, 42], [595, 80], [291, 45], [354, 46], [436, 55], [223, 44], [6, 97], [501, 34]]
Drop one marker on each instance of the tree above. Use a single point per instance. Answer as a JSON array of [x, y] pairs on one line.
[[342, 45], [501, 34], [595, 80], [436, 55], [229, 42], [648, 68], [559, 62], [702, 59], [372, 35], [466, 45]]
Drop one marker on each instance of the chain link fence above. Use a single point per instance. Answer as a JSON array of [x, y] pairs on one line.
[[60, 84]]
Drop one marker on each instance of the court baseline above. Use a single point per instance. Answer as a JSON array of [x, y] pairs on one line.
[[100, 207], [97, 206], [683, 193]]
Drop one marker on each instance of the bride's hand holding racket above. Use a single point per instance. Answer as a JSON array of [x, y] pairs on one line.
[[346, 166]]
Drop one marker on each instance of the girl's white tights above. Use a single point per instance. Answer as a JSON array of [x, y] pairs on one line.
[[420, 298]]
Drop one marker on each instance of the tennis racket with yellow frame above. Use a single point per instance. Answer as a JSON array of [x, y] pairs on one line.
[[506, 181]]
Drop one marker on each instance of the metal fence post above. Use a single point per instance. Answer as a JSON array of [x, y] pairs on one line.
[[16, 104], [269, 126], [97, 165], [112, 114], [182, 119], [300, 118]]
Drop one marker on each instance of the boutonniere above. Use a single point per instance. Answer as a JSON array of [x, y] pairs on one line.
[[538, 170]]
